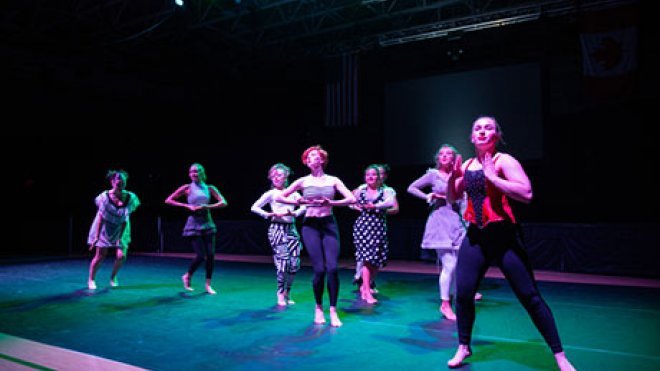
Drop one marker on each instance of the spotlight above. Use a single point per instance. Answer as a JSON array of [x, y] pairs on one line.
[[178, 2]]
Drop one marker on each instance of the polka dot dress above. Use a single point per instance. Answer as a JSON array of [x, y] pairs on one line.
[[370, 233]]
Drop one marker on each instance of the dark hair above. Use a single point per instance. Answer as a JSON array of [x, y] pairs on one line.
[[112, 173], [385, 167], [498, 127], [377, 168]]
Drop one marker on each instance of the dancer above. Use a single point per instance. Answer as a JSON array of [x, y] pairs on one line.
[[370, 228], [282, 233], [445, 229], [111, 227], [200, 229], [384, 170], [319, 228], [490, 180]]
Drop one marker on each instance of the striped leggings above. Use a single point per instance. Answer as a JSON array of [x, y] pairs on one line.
[[285, 241]]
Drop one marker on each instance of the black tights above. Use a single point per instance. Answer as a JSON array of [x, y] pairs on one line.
[[204, 247], [498, 243], [321, 238]]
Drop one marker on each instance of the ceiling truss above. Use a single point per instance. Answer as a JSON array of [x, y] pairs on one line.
[[284, 27]]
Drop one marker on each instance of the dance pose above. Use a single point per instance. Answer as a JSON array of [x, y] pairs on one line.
[[444, 229], [319, 228], [200, 229], [111, 227], [282, 233], [370, 228], [384, 170], [490, 180]]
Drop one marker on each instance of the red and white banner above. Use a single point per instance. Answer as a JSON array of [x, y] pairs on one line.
[[609, 52]]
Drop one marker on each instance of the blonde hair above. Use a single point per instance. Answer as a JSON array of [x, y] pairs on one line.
[[453, 149], [201, 172]]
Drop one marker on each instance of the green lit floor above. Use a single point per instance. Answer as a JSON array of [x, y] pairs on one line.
[[150, 322]]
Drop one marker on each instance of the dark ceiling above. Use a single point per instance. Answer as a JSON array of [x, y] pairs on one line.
[[234, 32]]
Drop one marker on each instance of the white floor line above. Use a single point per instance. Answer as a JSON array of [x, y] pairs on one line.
[[22, 354]]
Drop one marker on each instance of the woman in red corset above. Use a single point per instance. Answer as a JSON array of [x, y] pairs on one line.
[[490, 180]]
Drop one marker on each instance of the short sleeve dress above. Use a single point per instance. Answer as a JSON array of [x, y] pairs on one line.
[[108, 228]]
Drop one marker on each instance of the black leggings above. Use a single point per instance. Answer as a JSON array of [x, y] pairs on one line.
[[204, 247], [321, 238], [498, 243]]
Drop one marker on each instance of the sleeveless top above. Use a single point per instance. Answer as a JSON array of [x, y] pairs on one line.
[[199, 222], [314, 192], [485, 202]]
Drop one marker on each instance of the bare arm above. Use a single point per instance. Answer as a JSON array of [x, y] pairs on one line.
[[293, 187], [301, 209], [172, 199], [356, 206], [121, 234], [515, 183], [219, 198], [99, 224], [133, 204], [395, 207], [348, 196]]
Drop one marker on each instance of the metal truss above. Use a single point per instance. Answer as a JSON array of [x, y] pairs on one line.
[[288, 28]]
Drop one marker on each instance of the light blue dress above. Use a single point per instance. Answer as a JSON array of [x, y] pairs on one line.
[[108, 226]]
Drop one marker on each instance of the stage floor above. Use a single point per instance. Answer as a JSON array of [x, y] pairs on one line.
[[51, 321]]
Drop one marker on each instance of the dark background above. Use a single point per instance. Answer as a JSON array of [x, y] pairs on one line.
[[76, 106]]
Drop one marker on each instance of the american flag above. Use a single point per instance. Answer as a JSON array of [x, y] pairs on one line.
[[341, 91]]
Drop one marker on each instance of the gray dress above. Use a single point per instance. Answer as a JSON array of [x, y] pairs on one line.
[[199, 223], [444, 226]]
